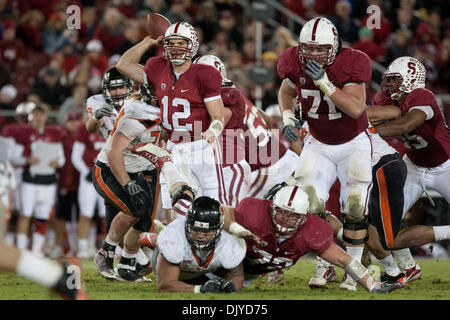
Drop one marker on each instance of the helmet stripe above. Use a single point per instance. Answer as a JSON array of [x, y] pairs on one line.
[[291, 198], [176, 27], [316, 23]]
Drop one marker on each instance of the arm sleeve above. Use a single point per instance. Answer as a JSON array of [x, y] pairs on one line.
[[361, 70], [210, 82]]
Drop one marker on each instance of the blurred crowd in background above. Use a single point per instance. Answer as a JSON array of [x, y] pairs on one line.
[[42, 60]]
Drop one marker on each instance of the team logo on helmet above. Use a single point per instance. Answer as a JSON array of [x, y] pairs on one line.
[[179, 54], [402, 76]]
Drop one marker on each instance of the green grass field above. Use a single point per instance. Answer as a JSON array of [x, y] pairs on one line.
[[434, 285]]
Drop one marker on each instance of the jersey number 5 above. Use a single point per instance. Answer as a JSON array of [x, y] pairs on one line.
[[184, 114], [413, 142]]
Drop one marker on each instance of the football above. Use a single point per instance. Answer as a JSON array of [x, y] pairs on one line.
[[157, 25]]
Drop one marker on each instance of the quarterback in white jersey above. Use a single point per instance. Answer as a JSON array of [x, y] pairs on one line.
[[191, 247]]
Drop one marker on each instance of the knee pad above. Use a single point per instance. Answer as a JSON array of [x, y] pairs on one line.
[[316, 205], [355, 225], [354, 206]]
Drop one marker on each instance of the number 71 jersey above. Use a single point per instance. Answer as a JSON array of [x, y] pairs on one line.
[[326, 122], [428, 145]]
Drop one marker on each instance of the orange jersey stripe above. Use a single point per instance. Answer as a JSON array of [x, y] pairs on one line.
[[208, 260], [385, 208], [117, 121], [110, 194]]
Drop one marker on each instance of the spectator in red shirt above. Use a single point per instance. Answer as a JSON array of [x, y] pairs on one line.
[[381, 34], [367, 45], [12, 50], [110, 30]]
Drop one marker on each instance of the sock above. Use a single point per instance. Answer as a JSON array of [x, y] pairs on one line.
[[441, 233], [109, 245], [141, 258], [389, 265], [82, 245], [10, 238], [22, 241], [355, 252], [38, 243], [92, 236], [339, 234], [118, 251], [51, 238], [128, 260], [40, 270], [405, 259]]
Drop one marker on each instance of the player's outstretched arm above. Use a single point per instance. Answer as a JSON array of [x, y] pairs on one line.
[[335, 255], [286, 96], [167, 277], [402, 125], [379, 114], [230, 225], [236, 277], [216, 113], [128, 64]]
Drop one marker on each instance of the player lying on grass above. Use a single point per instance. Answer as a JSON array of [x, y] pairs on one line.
[[192, 246], [278, 232]]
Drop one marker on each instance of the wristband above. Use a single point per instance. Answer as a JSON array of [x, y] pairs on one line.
[[216, 126], [287, 115], [325, 85], [236, 228], [197, 289]]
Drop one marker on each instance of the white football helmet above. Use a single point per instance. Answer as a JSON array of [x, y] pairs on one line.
[[318, 34], [180, 30], [215, 62], [403, 75], [289, 201]]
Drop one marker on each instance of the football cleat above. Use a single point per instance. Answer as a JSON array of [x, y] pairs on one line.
[[156, 155], [401, 278], [65, 287], [129, 275], [148, 239], [412, 273], [144, 270], [387, 287], [323, 274], [348, 283], [275, 276], [104, 260]]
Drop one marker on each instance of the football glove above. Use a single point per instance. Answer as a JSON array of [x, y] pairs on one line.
[[105, 110], [138, 196], [227, 286], [319, 77], [213, 285], [290, 123]]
